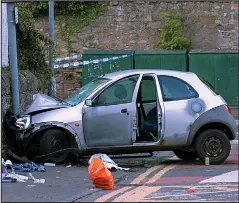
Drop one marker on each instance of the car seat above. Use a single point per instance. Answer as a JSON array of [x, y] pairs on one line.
[[121, 92], [150, 124]]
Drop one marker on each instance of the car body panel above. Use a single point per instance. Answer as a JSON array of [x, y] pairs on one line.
[[69, 127], [65, 115], [43, 102], [107, 126], [216, 115]]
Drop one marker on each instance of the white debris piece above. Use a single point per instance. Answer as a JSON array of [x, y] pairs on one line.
[[108, 162], [36, 180], [49, 164], [8, 172], [30, 186], [20, 178]]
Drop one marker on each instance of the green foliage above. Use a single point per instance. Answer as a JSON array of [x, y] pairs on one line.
[[30, 45], [5, 70], [72, 16], [171, 36]]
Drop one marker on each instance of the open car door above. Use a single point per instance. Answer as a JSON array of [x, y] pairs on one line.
[[109, 121]]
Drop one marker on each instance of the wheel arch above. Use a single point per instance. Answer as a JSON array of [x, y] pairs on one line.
[[37, 134], [213, 125], [216, 118]]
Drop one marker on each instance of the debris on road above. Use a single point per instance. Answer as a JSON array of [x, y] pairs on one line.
[[147, 165], [36, 180], [68, 166], [29, 167], [9, 175], [108, 162], [9, 180], [29, 186], [100, 176], [207, 161], [49, 164], [190, 190], [13, 175]]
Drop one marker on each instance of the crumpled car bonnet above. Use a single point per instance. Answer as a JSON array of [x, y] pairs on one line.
[[43, 102]]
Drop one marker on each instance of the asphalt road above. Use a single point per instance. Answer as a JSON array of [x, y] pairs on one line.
[[176, 180], [159, 178]]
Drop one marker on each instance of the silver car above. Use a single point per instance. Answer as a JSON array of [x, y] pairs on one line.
[[134, 111]]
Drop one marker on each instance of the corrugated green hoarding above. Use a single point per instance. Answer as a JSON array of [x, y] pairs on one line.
[[220, 68], [161, 59], [91, 71]]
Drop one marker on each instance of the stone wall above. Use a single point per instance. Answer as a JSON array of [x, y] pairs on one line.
[[136, 25], [28, 85], [67, 81], [133, 25]]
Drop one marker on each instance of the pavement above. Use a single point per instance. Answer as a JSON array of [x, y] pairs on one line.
[[160, 178]]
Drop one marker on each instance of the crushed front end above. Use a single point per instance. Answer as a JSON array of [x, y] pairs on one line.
[[17, 131]]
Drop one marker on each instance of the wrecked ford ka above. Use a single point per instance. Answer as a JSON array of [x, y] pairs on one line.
[[134, 111]]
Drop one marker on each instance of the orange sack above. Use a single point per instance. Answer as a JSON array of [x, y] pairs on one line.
[[100, 176]]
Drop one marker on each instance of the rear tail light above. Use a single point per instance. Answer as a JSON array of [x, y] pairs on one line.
[[228, 109]]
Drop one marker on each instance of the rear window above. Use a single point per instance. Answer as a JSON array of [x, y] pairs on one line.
[[210, 86]]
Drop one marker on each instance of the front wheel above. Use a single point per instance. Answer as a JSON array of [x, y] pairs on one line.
[[185, 155], [52, 141], [213, 144]]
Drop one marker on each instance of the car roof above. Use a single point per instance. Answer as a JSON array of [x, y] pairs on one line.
[[120, 74]]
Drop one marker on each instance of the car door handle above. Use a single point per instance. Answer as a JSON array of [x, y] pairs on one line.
[[123, 110]]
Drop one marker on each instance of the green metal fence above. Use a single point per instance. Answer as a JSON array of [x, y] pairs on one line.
[[93, 70], [220, 68], [161, 59]]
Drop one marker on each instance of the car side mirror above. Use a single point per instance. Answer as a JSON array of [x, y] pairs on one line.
[[89, 102]]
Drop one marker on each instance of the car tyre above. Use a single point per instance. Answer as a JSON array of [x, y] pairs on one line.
[[53, 140], [185, 155], [213, 144]]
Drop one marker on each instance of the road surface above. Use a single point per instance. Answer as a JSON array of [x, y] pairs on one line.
[[159, 178]]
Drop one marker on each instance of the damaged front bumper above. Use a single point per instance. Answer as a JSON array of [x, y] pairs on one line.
[[20, 140], [17, 130]]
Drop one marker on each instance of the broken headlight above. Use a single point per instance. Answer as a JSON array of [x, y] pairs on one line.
[[23, 122]]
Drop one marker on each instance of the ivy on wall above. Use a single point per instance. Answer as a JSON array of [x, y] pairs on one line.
[[77, 16], [70, 16], [31, 45], [171, 33]]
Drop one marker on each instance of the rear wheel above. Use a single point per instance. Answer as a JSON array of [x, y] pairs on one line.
[[185, 155], [54, 140], [213, 144]]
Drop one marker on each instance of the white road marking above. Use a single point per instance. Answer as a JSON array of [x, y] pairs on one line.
[[231, 177]]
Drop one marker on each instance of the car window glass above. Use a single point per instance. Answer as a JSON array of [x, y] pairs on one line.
[[175, 89], [148, 89], [120, 92]]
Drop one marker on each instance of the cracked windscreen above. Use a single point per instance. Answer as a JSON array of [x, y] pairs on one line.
[[81, 94]]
